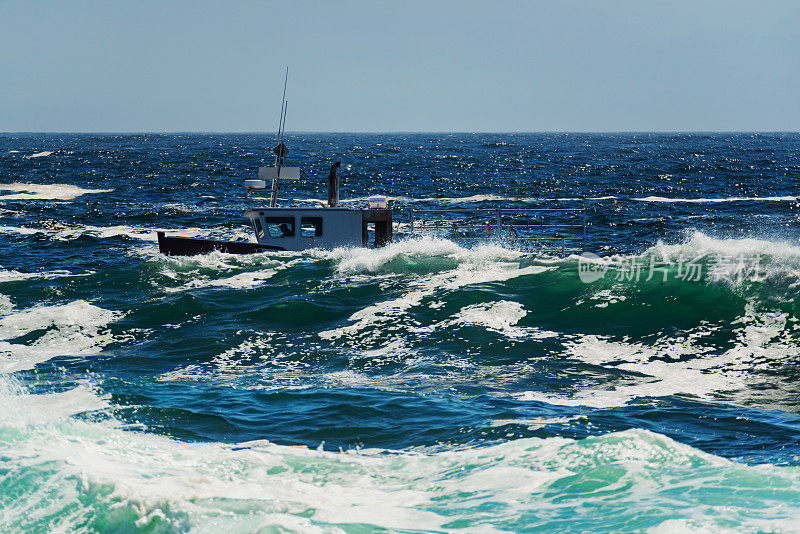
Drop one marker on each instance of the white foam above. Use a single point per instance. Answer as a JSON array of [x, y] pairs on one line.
[[731, 261], [285, 372], [683, 365], [537, 422], [500, 316], [21, 230], [471, 198], [154, 482], [46, 191], [246, 280], [501, 198], [73, 329], [355, 260], [25, 410], [164, 480], [699, 244], [147, 234], [473, 266], [15, 276], [6, 305], [221, 270], [460, 200], [351, 200], [40, 154], [274, 365], [714, 200], [107, 232], [382, 330], [678, 366], [604, 298]]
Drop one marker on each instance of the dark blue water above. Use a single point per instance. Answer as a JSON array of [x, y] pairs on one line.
[[432, 385]]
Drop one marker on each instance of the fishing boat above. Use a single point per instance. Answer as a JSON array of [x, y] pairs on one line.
[[558, 230], [329, 225], [291, 228], [296, 228]]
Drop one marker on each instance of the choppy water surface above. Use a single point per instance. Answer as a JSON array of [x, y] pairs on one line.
[[426, 386]]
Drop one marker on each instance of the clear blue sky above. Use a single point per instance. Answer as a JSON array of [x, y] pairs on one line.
[[460, 65]]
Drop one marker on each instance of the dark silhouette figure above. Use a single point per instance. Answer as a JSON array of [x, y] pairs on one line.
[[333, 186], [281, 151]]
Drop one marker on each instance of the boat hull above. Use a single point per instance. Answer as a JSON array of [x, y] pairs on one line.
[[190, 246]]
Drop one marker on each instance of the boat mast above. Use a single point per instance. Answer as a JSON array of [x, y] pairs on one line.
[[280, 150]]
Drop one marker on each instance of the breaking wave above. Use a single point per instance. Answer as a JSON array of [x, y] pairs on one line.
[[125, 479], [717, 337], [426, 386]]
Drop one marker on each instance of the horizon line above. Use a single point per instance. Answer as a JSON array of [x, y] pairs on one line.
[[390, 132]]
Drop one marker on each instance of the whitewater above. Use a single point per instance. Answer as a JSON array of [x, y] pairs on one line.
[[427, 386]]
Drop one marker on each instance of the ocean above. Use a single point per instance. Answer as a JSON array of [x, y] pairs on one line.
[[429, 386]]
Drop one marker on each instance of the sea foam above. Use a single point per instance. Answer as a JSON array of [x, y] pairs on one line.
[[46, 191], [128, 480], [77, 328]]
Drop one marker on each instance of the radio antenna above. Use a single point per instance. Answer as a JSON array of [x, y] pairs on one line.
[[280, 149]]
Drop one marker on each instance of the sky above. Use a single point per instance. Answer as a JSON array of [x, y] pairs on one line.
[[418, 66]]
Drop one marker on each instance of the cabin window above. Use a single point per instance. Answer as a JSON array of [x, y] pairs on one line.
[[310, 226], [259, 228], [279, 227]]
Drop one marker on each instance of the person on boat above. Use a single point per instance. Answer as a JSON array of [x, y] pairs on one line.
[[285, 230]]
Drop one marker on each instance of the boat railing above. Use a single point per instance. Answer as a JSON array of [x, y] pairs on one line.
[[543, 229]]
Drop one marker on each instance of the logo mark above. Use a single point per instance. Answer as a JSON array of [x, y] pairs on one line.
[[591, 267]]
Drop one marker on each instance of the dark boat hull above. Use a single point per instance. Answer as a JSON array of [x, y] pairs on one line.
[[189, 246]]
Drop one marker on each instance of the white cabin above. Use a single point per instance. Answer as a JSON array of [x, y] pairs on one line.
[[304, 228], [330, 226]]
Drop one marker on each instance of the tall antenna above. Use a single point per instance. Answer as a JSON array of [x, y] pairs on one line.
[[280, 150]]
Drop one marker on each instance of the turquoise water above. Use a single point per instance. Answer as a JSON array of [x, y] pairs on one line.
[[429, 386]]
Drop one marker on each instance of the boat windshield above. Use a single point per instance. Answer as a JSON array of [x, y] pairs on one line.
[[279, 227]]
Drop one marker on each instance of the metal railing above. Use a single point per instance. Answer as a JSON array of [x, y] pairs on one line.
[[561, 229]]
